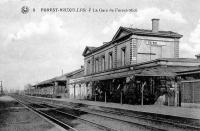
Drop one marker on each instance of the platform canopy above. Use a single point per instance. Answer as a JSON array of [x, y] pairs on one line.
[[189, 72], [157, 71], [50, 82]]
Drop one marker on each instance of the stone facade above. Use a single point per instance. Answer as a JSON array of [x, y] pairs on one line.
[[129, 48]]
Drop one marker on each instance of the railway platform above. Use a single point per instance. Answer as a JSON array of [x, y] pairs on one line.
[[16, 117], [168, 111]]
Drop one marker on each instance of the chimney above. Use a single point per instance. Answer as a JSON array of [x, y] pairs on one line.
[[155, 25]]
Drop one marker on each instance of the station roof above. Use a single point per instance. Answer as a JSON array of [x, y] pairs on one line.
[[180, 59], [190, 71], [162, 71], [74, 73], [62, 78], [150, 68], [46, 82], [146, 32], [158, 71], [126, 31], [169, 71], [50, 81], [88, 49]]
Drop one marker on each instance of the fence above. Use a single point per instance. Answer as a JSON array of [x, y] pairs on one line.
[[190, 91]]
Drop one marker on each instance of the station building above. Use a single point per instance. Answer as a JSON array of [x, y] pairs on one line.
[[137, 66], [56, 87]]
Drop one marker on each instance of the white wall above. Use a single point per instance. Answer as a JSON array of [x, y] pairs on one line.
[[161, 47]]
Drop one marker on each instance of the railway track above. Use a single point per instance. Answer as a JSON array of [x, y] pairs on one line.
[[70, 112], [59, 117], [107, 113], [180, 123], [56, 121]]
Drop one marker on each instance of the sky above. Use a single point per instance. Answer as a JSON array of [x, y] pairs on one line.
[[38, 45]]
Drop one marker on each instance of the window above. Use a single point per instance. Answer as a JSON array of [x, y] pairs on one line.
[[110, 60], [123, 56], [88, 67], [103, 63], [97, 65]]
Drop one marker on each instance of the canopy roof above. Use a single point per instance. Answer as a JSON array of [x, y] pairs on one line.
[[155, 71], [160, 71], [189, 72], [60, 79]]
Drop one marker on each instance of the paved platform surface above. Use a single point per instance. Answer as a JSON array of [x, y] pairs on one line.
[[193, 113], [15, 117]]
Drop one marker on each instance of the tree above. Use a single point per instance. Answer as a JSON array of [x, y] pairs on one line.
[[27, 86]]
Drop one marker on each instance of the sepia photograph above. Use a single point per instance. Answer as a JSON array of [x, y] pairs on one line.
[[99, 65]]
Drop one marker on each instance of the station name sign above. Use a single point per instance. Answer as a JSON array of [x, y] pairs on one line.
[[155, 43]]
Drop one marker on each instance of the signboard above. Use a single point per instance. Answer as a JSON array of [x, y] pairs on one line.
[[155, 43]]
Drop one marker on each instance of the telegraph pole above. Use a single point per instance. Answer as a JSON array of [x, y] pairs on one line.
[[62, 72], [1, 87]]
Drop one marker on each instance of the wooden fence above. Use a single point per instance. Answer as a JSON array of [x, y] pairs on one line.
[[190, 91]]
